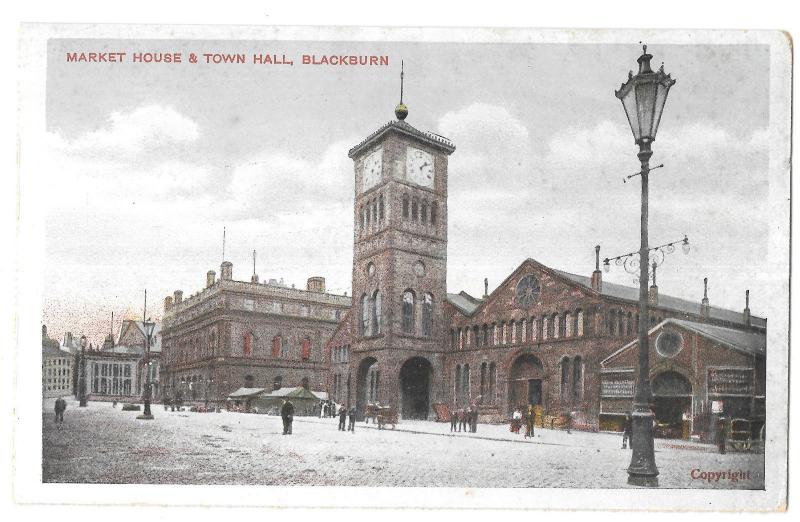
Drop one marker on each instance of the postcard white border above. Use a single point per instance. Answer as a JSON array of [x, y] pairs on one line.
[[27, 426]]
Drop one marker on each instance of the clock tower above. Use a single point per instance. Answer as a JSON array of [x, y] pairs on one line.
[[399, 267]]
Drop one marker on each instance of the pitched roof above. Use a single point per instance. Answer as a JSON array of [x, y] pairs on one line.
[[401, 127], [246, 392], [753, 343], [464, 304], [629, 293]]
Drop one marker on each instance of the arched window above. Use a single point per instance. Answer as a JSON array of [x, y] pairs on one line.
[[484, 376], [457, 389], [414, 208], [408, 312], [564, 379], [452, 339], [621, 323], [523, 330], [577, 378], [568, 324], [380, 207], [465, 391], [512, 326], [375, 213], [434, 211], [248, 341], [630, 324], [369, 213], [545, 328], [612, 322], [305, 349], [494, 334], [534, 332], [503, 332], [485, 334], [276, 346], [476, 336], [363, 324], [427, 315], [492, 382], [376, 312], [460, 339], [423, 213], [405, 206]]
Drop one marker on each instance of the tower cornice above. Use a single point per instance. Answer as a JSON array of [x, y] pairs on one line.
[[440, 143]]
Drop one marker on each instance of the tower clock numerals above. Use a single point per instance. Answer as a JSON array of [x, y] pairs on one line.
[[372, 170], [419, 167]]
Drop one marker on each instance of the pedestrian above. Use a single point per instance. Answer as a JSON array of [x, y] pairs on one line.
[[474, 418], [60, 406], [462, 419], [531, 420], [114, 404], [568, 421], [516, 421], [453, 418], [352, 418], [722, 435], [627, 431], [342, 417], [287, 415]]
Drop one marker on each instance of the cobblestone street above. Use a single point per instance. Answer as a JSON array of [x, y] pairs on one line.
[[102, 444]]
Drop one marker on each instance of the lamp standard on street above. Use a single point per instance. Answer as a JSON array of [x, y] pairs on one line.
[[643, 97], [82, 375], [147, 329]]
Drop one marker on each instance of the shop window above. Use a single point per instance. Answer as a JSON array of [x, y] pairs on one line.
[[408, 311]]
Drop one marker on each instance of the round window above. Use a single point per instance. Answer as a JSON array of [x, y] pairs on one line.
[[370, 269], [668, 344], [419, 268], [527, 292]]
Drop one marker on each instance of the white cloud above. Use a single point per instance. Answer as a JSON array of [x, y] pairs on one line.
[[148, 126]]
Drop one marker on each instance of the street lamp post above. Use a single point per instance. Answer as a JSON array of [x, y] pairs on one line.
[[643, 97], [147, 331], [82, 375]]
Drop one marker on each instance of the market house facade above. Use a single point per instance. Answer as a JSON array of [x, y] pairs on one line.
[[699, 371]]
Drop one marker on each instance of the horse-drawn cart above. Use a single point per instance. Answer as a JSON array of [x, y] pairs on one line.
[[386, 415]]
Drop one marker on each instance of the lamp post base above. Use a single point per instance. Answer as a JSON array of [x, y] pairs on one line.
[[642, 470], [144, 416]]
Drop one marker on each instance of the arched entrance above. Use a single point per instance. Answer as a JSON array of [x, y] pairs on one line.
[[525, 382], [366, 384], [415, 384], [672, 398]]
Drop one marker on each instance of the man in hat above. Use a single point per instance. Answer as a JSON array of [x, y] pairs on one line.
[[60, 406], [287, 415], [342, 418], [352, 418]]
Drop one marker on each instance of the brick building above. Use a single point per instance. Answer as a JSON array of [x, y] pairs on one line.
[[235, 334], [540, 337], [57, 368]]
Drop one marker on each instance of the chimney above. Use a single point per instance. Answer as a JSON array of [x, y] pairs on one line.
[[747, 307], [167, 303], [211, 278], [178, 296], [316, 284], [597, 275], [652, 296], [705, 309], [485, 287], [44, 332], [226, 271]]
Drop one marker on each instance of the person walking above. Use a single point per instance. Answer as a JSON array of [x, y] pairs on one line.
[[627, 431], [60, 406], [287, 415], [352, 419], [462, 419], [342, 418], [722, 435], [474, 418], [531, 421], [453, 418], [516, 421]]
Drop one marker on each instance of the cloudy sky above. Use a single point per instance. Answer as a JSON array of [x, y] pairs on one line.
[[146, 163]]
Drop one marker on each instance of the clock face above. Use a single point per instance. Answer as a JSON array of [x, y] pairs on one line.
[[528, 290], [419, 167], [372, 170]]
